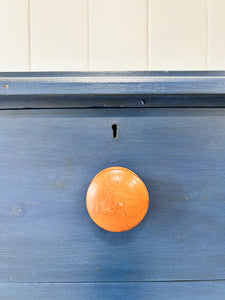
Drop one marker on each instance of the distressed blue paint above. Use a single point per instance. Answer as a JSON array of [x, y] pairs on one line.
[[110, 101], [112, 83], [48, 158], [115, 291], [49, 248]]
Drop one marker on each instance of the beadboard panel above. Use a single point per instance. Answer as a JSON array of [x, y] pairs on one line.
[[118, 34], [177, 34], [78, 35], [14, 45], [58, 35], [216, 35]]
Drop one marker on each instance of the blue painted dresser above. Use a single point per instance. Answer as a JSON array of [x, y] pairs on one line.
[[56, 134]]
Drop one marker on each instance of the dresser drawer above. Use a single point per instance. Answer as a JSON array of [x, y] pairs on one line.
[[48, 158], [51, 249]]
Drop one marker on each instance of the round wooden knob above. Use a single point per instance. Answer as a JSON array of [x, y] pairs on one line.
[[117, 199]]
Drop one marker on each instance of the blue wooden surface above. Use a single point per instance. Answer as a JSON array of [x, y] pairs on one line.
[[111, 83], [111, 89], [113, 291], [49, 157], [110, 101]]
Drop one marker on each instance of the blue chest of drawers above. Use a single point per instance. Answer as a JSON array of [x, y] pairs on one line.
[[57, 133]]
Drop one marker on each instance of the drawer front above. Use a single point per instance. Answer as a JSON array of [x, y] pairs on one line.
[[48, 159], [134, 290]]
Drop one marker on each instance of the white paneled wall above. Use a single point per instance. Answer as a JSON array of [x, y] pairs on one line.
[[178, 34], [118, 34], [216, 34], [56, 35], [14, 35]]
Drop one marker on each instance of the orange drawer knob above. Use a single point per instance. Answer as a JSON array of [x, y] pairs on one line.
[[117, 199]]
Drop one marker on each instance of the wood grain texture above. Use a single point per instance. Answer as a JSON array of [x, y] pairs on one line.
[[118, 35], [177, 34], [58, 35], [14, 46], [117, 199], [49, 157], [112, 83], [114, 291]]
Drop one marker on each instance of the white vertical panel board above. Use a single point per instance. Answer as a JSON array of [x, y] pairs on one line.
[[177, 34], [216, 34], [58, 35], [118, 34], [14, 35]]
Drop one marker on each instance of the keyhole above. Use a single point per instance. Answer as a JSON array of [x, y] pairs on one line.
[[115, 130]]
